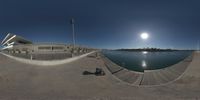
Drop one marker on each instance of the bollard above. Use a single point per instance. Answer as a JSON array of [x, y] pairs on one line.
[[31, 57]]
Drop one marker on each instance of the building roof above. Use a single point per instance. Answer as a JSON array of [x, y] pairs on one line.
[[12, 39]]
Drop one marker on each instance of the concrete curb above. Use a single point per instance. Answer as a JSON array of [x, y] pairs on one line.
[[47, 63]]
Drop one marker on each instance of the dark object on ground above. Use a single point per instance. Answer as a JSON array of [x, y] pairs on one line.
[[98, 72]]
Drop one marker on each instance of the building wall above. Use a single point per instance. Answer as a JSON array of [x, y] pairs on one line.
[[47, 48]]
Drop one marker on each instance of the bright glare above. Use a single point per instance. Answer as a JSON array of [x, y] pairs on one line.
[[144, 52], [144, 65], [144, 36]]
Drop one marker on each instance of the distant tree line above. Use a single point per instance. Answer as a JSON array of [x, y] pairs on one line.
[[147, 49]]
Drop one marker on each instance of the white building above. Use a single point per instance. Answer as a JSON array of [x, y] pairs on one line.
[[16, 44]]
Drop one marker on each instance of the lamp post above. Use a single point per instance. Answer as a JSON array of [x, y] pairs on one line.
[[198, 48], [73, 34]]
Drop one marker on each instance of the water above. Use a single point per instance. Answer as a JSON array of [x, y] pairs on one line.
[[140, 61]]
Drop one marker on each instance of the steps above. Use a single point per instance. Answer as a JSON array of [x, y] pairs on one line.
[[149, 77], [166, 75]]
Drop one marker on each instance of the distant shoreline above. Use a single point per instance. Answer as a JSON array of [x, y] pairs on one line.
[[151, 50]]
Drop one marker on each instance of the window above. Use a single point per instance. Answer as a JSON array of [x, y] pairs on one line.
[[44, 48], [57, 48]]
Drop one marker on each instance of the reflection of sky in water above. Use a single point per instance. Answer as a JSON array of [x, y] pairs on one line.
[[140, 61]]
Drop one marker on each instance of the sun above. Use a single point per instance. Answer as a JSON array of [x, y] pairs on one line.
[[144, 36]]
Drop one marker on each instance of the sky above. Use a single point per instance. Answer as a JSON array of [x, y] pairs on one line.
[[106, 24]]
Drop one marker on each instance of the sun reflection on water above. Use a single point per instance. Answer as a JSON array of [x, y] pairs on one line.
[[144, 52], [144, 64]]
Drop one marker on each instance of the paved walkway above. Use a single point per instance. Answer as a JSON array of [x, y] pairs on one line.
[[19, 81]]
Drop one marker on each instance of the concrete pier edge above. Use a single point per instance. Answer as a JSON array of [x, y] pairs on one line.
[[142, 73]]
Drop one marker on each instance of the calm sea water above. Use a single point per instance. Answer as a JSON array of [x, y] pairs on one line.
[[140, 61]]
